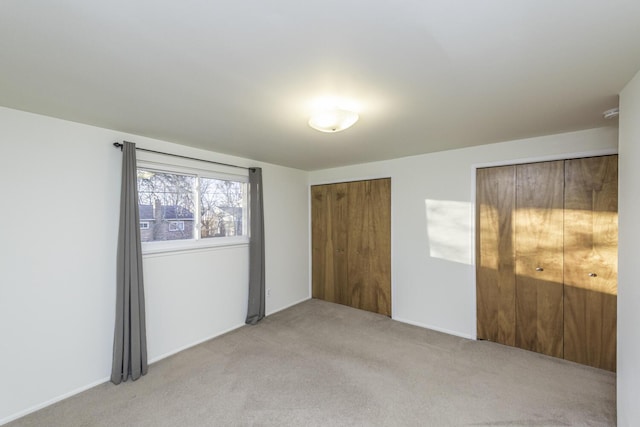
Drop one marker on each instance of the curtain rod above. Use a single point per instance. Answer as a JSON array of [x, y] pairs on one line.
[[119, 145]]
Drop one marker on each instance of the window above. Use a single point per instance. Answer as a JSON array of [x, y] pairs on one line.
[[176, 225], [221, 212], [164, 199], [190, 206]]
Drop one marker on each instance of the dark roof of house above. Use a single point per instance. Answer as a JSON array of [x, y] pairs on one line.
[[146, 212], [176, 212], [169, 212]]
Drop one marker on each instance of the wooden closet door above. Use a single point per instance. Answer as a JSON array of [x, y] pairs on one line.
[[321, 245], [495, 256], [329, 225], [590, 270], [539, 257], [369, 245], [351, 244]]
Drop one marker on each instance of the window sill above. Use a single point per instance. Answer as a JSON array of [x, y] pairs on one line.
[[181, 246]]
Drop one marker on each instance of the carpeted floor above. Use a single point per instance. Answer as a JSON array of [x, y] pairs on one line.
[[322, 364]]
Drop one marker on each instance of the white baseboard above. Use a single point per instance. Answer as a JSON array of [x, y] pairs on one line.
[[171, 353], [193, 344], [290, 305], [233, 328], [104, 380], [434, 328], [151, 361], [52, 401]]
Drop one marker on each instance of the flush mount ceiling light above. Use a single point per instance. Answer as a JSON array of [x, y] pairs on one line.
[[333, 119], [331, 114]]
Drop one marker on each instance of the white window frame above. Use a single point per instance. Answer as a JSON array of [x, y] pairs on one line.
[[144, 225], [176, 225], [159, 163]]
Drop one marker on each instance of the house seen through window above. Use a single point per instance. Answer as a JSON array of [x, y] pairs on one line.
[[176, 206]]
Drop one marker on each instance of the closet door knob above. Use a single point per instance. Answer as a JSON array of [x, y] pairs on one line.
[[592, 274], [539, 269]]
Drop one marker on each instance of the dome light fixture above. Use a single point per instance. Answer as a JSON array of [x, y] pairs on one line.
[[333, 120]]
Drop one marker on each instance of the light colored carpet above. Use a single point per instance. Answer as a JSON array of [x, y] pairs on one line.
[[322, 364]]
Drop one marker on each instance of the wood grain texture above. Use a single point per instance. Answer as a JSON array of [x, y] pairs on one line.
[[340, 236], [369, 247], [495, 256], [380, 245], [358, 246], [351, 242], [591, 241], [539, 245], [321, 246], [329, 214]]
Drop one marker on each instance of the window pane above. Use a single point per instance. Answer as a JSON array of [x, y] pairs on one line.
[[221, 208], [166, 203]]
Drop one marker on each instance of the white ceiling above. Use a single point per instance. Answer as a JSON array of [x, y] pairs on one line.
[[237, 77]]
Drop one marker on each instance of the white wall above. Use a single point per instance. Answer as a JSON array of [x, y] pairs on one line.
[[629, 268], [433, 277], [57, 275], [60, 184]]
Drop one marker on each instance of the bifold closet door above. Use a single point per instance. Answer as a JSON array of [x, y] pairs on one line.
[[329, 221], [590, 268], [351, 244], [539, 218], [546, 259], [495, 256], [369, 246], [519, 256]]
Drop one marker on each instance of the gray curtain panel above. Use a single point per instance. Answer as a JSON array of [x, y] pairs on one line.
[[130, 338], [255, 311]]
